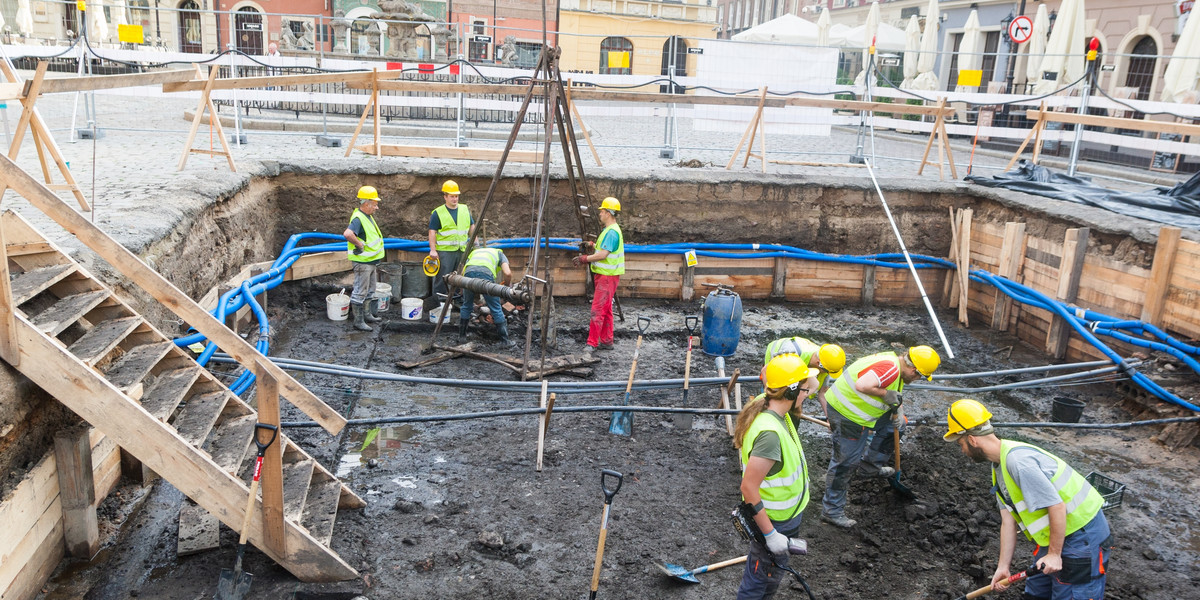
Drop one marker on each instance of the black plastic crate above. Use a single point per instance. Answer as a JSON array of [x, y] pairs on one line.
[[1110, 489]]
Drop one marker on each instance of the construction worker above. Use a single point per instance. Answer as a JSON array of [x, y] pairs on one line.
[[607, 264], [824, 360], [774, 472], [1044, 497], [450, 226], [863, 411], [364, 248], [487, 264]]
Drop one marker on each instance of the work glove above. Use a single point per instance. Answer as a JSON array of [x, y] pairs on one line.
[[777, 543], [358, 250], [898, 418], [579, 260], [891, 398]]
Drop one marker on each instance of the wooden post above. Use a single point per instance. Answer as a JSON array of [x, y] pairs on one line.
[[375, 101], [363, 119], [543, 421], [762, 99], [949, 151], [868, 288], [950, 283], [964, 265], [77, 491], [231, 320], [214, 123], [687, 290], [779, 278], [938, 132], [1160, 275], [1012, 256], [724, 403], [271, 480], [1036, 132], [578, 119], [8, 322], [1070, 267]]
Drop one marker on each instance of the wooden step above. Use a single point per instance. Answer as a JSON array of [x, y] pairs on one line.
[[320, 508], [130, 369], [168, 391], [197, 418], [35, 281], [67, 311], [98, 342], [296, 478], [231, 440]]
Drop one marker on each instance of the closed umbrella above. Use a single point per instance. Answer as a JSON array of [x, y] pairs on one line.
[[97, 24], [24, 22], [118, 17], [1182, 70], [1064, 60], [912, 43], [969, 57], [823, 28], [1037, 45], [865, 38], [925, 79]]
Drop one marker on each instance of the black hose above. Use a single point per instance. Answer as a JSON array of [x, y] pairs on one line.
[[1051, 425]]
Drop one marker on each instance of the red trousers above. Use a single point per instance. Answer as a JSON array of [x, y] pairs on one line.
[[600, 328]]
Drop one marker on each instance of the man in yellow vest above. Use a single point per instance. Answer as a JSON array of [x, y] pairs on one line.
[[450, 226], [825, 361], [364, 248], [863, 410], [486, 264], [607, 264], [1045, 498]]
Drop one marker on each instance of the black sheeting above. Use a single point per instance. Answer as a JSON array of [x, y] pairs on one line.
[[1179, 205]]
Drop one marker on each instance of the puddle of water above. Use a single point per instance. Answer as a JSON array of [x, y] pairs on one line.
[[377, 443]]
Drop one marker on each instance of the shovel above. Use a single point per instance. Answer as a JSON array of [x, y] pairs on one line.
[[684, 420], [684, 574], [608, 496], [1014, 578], [235, 584], [621, 423], [894, 480]]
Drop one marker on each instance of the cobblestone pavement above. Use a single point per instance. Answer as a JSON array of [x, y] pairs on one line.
[[130, 173]]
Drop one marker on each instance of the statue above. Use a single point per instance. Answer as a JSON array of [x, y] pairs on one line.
[[508, 51], [341, 32], [306, 41], [403, 18], [287, 36], [441, 37]]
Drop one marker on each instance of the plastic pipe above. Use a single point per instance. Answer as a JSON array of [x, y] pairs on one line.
[[1094, 363]]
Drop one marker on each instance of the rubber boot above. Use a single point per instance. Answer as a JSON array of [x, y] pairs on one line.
[[359, 313], [462, 328], [504, 339], [372, 307]]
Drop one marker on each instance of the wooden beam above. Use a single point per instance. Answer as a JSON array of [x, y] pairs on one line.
[[162, 290], [526, 156], [587, 136], [1012, 256], [1160, 275], [8, 334], [964, 264], [359, 79], [1069, 269], [267, 395], [543, 422], [1185, 129], [108, 82], [77, 491], [724, 396], [934, 133], [868, 285], [950, 283], [1036, 132], [779, 278]]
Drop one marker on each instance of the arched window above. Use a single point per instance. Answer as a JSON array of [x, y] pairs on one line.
[[1141, 66], [674, 54], [248, 25], [190, 37], [616, 56]]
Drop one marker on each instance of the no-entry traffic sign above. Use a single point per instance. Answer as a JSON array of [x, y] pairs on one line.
[[1021, 29]]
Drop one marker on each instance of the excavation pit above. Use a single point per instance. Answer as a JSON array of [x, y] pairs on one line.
[[457, 508]]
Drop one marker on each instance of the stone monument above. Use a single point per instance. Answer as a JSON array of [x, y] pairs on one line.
[[341, 32], [403, 19]]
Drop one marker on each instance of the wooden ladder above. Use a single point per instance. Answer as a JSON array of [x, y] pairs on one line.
[[98, 357]]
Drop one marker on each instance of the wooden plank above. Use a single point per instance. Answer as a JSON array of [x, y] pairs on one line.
[[779, 278], [1160, 274], [199, 415], [868, 285], [103, 338], [162, 397], [230, 441], [1074, 251], [109, 82], [297, 476], [130, 369], [964, 263], [8, 309], [1012, 255], [77, 491], [67, 311], [20, 562], [1185, 129], [198, 530], [271, 480], [490, 154], [28, 248], [35, 281], [320, 508]]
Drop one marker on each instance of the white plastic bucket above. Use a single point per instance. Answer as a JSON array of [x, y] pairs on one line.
[[433, 314], [337, 306], [383, 293], [411, 309]]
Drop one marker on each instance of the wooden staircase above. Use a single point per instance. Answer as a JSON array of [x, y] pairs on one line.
[[98, 357]]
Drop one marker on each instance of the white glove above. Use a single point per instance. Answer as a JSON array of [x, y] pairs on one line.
[[777, 543]]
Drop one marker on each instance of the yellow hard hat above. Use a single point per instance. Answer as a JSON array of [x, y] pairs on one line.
[[925, 359], [832, 359], [450, 187], [431, 265], [783, 371], [611, 203], [967, 416], [367, 192]]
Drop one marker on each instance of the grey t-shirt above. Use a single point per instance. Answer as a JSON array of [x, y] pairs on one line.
[[1032, 471], [768, 445]]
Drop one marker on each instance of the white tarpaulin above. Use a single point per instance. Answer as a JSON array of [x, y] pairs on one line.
[[738, 66], [788, 29]]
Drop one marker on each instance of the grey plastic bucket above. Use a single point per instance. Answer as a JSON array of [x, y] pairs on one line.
[[414, 284], [1066, 410]]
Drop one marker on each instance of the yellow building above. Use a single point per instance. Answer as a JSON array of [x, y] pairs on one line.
[[625, 37]]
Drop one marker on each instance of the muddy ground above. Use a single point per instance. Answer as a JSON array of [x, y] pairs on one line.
[[457, 509]]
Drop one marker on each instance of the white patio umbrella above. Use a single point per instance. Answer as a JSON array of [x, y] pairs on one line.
[[969, 57], [1184, 67], [1064, 58], [838, 35], [97, 24], [1037, 45], [118, 17], [24, 22], [912, 37], [863, 37], [823, 28], [925, 79], [785, 29]]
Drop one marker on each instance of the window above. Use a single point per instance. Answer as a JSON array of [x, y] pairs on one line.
[[952, 81], [616, 56], [1142, 66], [478, 51], [190, 38], [991, 42], [527, 54]]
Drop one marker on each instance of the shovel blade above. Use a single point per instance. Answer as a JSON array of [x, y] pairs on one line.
[[678, 572], [621, 422], [233, 586], [901, 489]]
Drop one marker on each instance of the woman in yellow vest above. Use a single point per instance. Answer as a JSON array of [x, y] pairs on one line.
[[774, 472], [1041, 495]]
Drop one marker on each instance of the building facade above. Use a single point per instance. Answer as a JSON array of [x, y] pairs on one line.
[[507, 32], [641, 37]]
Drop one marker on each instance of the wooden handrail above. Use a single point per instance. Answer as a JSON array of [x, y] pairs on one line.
[[164, 291], [1116, 122]]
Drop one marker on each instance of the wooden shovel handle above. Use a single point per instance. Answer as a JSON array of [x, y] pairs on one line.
[[896, 447], [720, 565]]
